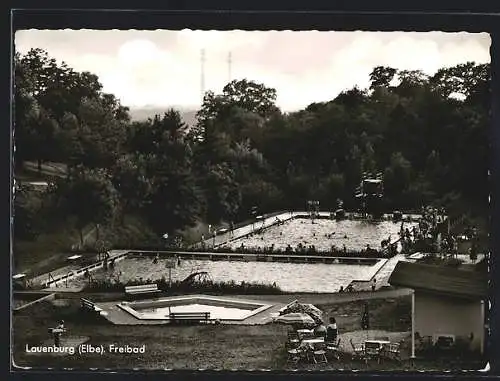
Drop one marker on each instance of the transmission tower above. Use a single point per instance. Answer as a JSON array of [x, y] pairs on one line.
[[202, 79], [229, 62]]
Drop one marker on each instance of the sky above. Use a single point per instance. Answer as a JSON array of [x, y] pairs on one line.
[[163, 68]]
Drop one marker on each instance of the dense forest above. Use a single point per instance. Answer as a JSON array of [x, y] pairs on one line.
[[426, 135]]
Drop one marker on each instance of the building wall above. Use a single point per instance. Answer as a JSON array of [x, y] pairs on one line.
[[444, 315]]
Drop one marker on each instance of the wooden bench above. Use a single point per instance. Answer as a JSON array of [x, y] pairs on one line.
[[142, 289], [189, 317], [90, 306]]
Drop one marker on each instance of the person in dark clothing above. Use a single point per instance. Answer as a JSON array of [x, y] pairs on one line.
[[365, 319], [320, 331], [57, 333], [331, 331]]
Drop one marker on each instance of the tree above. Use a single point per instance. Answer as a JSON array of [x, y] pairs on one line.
[[222, 194], [131, 180], [244, 95], [251, 96], [27, 206], [55, 86], [331, 189], [45, 93], [90, 198], [381, 76], [352, 98], [35, 128], [397, 179], [174, 200], [463, 79]]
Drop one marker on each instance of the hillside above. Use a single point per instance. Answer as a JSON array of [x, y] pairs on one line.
[[143, 113]]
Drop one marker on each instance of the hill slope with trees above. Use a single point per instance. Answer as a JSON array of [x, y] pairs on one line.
[[427, 135]]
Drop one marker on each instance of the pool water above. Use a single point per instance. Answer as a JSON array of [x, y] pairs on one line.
[[291, 277], [216, 312], [323, 233]]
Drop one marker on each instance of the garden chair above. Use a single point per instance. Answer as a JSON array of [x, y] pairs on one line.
[[358, 350], [319, 353], [295, 355], [372, 352], [293, 340], [395, 351]]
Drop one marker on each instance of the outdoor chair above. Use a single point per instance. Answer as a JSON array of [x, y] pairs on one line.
[[358, 350], [295, 355], [293, 340], [372, 352], [319, 353], [395, 351], [423, 343]]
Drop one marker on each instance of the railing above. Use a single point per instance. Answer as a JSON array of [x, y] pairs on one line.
[[74, 273]]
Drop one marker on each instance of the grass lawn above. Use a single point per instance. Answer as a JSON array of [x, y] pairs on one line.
[[45, 253], [50, 250], [204, 347]]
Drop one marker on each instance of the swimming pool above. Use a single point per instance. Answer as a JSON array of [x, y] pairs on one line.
[[217, 307], [323, 234], [291, 277]]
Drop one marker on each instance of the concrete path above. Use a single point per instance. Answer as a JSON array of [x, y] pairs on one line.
[[381, 276], [242, 231], [41, 279]]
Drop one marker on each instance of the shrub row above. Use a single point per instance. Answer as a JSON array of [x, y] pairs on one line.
[[231, 287]]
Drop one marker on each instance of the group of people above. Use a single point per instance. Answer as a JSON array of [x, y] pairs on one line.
[[429, 235], [329, 333]]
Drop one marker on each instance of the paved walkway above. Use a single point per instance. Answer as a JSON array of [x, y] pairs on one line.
[[242, 231], [41, 279], [381, 276]]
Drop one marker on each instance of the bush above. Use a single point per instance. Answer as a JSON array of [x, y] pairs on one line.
[[231, 287]]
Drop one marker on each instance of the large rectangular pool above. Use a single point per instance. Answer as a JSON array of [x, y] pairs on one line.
[[291, 277]]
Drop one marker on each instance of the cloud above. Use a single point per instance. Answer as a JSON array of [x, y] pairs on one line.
[[163, 68]]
